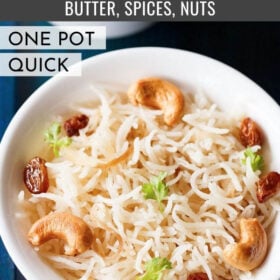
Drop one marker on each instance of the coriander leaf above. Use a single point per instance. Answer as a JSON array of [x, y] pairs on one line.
[[156, 189], [256, 160], [52, 137], [154, 269]]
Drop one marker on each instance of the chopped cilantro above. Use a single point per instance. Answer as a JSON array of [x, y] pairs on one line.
[[154, 269], [52, 137], [256, 160], [156, 189]]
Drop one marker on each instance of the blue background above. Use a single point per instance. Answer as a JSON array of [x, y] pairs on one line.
[[252, 48]]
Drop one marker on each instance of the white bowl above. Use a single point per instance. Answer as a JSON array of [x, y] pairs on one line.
[[114, 29], [232, 91]]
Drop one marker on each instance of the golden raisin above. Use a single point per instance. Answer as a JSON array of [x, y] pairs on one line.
[[35, 175], [250, 133], [74, 124], [198, 276], [268, 186]]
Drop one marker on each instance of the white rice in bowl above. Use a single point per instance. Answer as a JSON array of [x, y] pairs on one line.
[[99, 178]]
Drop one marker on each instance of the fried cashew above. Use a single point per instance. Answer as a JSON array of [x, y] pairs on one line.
[[65, 226], [251, 249], [159, 94]]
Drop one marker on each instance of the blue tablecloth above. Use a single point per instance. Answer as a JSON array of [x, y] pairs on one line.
[[252, 48]]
